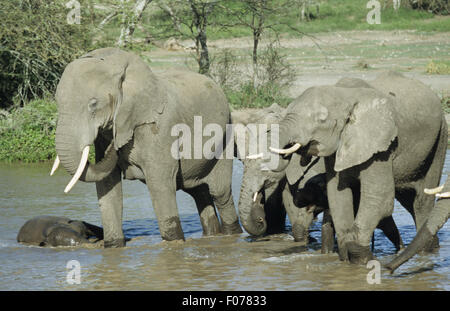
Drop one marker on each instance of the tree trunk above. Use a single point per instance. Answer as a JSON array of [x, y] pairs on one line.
[[129, 23]]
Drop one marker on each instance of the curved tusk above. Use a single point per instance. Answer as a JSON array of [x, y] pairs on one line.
[[290, 150], [443, 195], [255, 156], [255, 196], [433, 190], [80, 169], [55, 165]]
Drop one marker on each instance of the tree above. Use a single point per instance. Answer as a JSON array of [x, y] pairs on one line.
[[190, 18], [131, 16]]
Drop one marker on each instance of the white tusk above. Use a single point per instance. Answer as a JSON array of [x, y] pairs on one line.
[[443, 195], [255, 156], [434, 190], [55, 165], [255, 196], [80, 169], [290, 150]]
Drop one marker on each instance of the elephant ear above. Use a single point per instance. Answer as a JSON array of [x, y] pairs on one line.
[[142, 98], [370, 129]]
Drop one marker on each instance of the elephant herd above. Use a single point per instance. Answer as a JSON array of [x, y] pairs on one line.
[[345, 150]]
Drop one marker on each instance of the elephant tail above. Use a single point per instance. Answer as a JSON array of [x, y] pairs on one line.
[[420, 241]]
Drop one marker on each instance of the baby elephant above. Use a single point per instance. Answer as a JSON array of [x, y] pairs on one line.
[[314, 195], [57, 231]]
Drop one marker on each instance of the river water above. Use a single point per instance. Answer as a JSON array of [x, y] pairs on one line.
[[201, 263]]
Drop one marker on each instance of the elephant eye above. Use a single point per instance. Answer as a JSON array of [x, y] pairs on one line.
[[92, 105]]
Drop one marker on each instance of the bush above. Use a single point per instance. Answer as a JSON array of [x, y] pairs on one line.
[[28, 134], [36, 43], [250, 88], [434, 6], [438, 67]]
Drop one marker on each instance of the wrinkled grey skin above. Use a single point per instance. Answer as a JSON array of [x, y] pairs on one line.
[[438, 217], [57, 231], [111, 98], [389, 135], [314, 193], [268, 214]]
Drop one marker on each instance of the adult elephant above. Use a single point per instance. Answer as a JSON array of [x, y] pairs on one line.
[[389, 135], [57, 231], [438, 217], [111, 98], [266, 212]]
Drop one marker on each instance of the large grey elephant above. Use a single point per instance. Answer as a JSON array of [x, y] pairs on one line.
[[266, 213], [111, 98], [388, 136], [57, 231], [438, 217]]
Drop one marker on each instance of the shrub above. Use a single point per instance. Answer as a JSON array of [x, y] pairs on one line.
[[28, 134]]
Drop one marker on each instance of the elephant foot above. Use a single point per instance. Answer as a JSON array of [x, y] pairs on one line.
[[171, 229], [234, 228], [358, 254], [300, 234], [114, 243], [211, 226], [327, 239]]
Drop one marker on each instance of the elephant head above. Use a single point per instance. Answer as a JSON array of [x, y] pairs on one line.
[[97, 99], [435, 221], [328, 120], [261, 182]]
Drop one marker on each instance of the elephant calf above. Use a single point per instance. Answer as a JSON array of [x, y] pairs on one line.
[[314, 195], [57, 231]]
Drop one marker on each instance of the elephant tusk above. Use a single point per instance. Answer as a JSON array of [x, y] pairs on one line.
[[434, 191], [443, 195], [255, 156], [80, 169], [255, 196], [55, 165], [290, 150]]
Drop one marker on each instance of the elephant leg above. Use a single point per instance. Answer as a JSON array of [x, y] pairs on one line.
[[162, 188], [423, 203], [219, 182], [300, 218], [327, 233], [376, 203], [205, 205], [110, 199], [390, 230], [340, 199]]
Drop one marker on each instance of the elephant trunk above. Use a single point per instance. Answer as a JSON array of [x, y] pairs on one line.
[[70, 150], [436, 220], [251, 212]]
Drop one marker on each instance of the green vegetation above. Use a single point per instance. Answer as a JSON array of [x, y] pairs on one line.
[[438, 67], [28, 134], [36, 43]]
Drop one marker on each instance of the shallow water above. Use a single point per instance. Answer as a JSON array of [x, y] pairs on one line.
[[201, 263]]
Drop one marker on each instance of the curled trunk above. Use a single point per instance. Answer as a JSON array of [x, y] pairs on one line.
[[436, 220], [69, 150]]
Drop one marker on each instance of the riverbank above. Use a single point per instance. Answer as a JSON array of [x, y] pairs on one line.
[[27, 134]]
